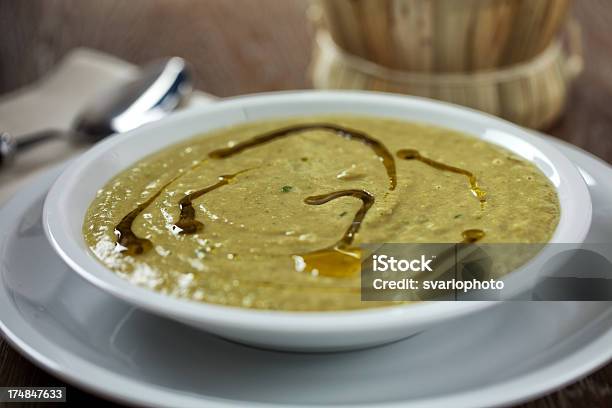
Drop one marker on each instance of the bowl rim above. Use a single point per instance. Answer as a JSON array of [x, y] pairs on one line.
[[65, 244]]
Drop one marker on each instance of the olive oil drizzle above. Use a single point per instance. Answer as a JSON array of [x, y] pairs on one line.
[[341, 259], [367, 201], [127, 241], [470, 235], [135, 245], [412, 154], [380, 149], [187, 222]]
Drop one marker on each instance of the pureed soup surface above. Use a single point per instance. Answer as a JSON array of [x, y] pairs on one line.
[[270, 215]]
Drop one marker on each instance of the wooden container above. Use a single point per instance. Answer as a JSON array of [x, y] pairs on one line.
[[444, 35], [531, 93]]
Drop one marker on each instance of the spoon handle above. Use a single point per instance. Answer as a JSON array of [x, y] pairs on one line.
[[31, 139], [9, 145]]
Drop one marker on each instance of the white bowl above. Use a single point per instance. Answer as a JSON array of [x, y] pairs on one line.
[[76, 187]]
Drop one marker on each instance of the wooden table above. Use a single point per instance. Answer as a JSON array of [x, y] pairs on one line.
[[244, 46]]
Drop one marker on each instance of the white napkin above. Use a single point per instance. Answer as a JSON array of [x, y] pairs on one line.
[[52, 103]]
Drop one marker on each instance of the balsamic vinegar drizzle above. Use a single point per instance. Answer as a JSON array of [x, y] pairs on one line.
[[187, 222], [341, 259], [381, 151]]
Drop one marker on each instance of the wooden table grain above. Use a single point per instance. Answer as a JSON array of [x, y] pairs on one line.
[[245, 46]]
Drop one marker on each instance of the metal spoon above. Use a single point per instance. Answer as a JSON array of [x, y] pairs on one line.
[[160, 87]]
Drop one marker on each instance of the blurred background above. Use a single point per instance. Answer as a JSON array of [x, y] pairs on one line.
[[435, 48], [235, 47]]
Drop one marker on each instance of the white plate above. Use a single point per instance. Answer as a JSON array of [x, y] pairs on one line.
[[506, 354], [72, 193]]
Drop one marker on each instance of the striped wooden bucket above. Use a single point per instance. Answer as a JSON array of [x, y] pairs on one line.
[[531, 93], [444, 35]]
